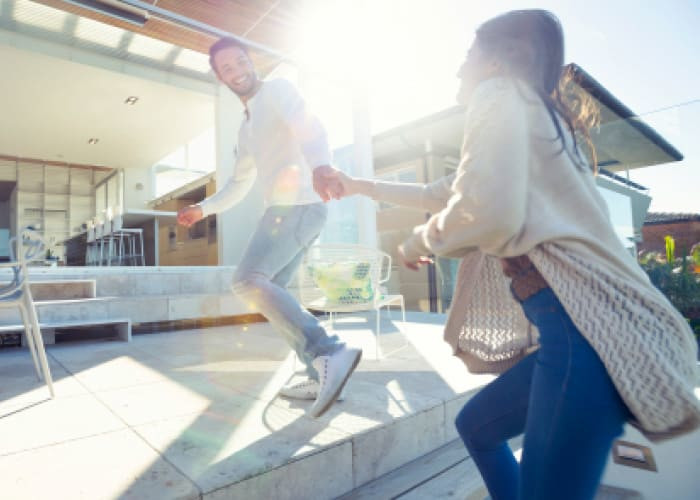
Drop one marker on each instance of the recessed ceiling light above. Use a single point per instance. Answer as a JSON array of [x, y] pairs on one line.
[[132, 99], [93, 140]]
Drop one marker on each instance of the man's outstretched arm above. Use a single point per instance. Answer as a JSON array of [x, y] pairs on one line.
[[233, 191]]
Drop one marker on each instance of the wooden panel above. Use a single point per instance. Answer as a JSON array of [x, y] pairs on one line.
[[213, 255], [210, 188], [267, 22], [155, 28], [196, 246]]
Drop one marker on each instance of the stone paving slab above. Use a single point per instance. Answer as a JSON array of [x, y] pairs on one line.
[[103, 467], [111, 368], [55, 421], [20, 387]]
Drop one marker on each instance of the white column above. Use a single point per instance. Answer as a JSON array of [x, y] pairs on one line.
[[362, 130], [364, 164], [234, 226]]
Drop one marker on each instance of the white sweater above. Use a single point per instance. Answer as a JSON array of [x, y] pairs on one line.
[[517, 193], [280, 144]]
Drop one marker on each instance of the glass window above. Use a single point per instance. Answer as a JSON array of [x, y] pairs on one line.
[[407, 175], [149, 47], [186, 163], [100, 200], [100, 33], [40, 16], [109, 195], [620, 208]]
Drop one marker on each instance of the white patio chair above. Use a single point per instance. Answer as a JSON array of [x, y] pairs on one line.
[[347, 278], [27, 247]]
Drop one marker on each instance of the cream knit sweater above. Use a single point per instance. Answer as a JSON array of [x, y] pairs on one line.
[[516, 192]]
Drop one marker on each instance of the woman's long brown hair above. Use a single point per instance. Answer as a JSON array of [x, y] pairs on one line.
[[530, 43]]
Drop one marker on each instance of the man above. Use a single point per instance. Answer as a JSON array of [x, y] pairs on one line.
[[286, 147]]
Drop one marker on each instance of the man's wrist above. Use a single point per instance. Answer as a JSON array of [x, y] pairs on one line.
[[202, 209]]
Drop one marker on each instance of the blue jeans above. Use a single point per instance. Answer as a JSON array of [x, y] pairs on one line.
[[273, 255], [562, 398]]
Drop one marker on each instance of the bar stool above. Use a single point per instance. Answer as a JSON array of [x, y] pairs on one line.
[[131, 240], [91, 249], [111, 243], [99, 242]]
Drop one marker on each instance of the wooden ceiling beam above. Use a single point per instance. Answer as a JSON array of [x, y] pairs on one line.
[[267, 22], [275, 30], [154, 27]]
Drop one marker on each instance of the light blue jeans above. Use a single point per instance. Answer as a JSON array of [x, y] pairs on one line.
[[271, 259]]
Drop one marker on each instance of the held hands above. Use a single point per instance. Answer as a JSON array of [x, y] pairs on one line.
[[189, 215], [331, 183]]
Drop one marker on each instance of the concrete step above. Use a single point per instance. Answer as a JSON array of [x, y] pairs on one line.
[[63, 289], [422, 470], [449, 473], [121, 328], [140, 281], [139, 309], [445, 473]]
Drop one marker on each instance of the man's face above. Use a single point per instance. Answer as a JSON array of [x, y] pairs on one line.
[[234, 68]]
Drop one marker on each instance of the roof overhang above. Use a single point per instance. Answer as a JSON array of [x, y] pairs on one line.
[[623, 141]]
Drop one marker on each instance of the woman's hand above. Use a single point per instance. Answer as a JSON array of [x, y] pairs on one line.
[[411, 262]]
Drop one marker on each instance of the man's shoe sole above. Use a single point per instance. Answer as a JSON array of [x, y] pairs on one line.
[[340, 386]]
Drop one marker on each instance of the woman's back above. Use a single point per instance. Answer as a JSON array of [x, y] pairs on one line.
[[562, 202]]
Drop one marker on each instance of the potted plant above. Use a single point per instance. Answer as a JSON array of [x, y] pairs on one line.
[[51, 258]]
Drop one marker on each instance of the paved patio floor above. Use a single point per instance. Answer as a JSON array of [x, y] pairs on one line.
[[194, 414]]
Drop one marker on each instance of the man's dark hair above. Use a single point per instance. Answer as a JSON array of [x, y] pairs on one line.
[[221, 44]]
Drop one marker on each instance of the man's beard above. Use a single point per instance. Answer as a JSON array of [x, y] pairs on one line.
[[248, 91]]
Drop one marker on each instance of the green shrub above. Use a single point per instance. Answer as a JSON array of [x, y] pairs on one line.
[[677, 279]]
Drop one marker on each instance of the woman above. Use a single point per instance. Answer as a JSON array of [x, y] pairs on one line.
[[534, 234]]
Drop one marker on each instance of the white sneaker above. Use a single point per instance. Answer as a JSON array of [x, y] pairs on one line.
[[304, 389], [333, 372]]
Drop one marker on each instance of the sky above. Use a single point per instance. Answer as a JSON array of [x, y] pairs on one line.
[[405, 54]]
